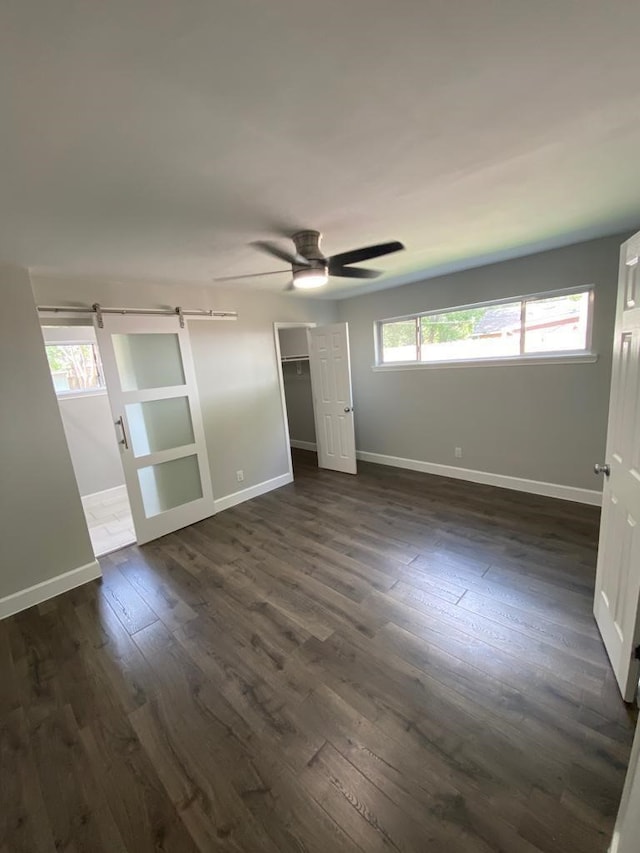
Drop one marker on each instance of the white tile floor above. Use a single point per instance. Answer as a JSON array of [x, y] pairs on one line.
[[108, 515]]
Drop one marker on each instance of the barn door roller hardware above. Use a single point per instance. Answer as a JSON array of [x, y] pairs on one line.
[[99, 311]]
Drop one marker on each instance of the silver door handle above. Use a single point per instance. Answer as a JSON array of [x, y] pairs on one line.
[[348, 409], [123, 441], [602, 469]]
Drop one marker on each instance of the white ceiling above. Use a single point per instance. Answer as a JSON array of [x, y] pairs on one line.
[[158, 138]]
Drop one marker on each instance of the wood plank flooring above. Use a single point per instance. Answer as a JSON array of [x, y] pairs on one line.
[[388, 662]]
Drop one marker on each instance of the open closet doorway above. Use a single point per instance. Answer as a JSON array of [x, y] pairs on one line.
[[295, 384], [78, 380], [315, 383]]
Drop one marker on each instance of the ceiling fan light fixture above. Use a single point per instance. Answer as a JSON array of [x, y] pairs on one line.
[[308, 279]]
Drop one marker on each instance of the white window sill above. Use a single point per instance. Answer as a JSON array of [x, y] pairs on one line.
[[74, 395], [551, 358]]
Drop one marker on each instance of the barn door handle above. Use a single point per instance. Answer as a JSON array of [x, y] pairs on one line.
[[602, 469], [123, 441]]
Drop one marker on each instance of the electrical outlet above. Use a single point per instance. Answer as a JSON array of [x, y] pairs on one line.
[[457, 452], [240, 476]]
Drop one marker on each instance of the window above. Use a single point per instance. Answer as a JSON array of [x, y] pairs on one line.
[[75, 368], [525, 328]]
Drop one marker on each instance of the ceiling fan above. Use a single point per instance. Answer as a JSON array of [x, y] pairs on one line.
[[312, 269]]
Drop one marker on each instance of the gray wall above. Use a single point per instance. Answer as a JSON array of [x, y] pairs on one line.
[[235, 363], [88, 426], [293, 342], [541, 422], [297, 389], [43, 532]]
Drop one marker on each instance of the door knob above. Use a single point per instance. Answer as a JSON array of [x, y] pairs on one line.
[[348, 409], [602, 469]]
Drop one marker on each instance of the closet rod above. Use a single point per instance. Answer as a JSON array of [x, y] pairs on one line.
[[98, 310]]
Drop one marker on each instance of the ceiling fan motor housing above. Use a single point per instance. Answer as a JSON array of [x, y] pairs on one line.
[[308, 245]]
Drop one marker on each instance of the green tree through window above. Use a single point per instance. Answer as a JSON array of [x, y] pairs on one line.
[[456, 326], [77, 363]]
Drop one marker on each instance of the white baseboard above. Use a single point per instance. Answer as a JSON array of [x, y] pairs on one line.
[[252, 492], [48, 589], [519, 484], [115, 493], [303, 445]]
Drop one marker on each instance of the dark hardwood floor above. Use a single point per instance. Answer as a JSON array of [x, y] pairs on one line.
[[385, 662]]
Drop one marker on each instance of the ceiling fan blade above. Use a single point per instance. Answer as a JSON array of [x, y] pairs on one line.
[[277, 252], [250, 275], [353, 272], [355, 256]]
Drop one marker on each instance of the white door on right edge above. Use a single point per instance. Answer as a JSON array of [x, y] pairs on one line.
[[627, 829], [330, 369], [617, 598]]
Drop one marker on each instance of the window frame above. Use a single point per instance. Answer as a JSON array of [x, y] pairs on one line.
[[78, 392], [586, 355]]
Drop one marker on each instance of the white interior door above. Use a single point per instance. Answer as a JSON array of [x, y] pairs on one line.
[[330, 369], [617, 599], [626, 835], [154, 400]]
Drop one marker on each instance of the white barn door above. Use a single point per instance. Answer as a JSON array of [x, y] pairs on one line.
[[330, 369], [154, 401], [617, 598]]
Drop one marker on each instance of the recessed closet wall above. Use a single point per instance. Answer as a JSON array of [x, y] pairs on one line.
[[297, 386]]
